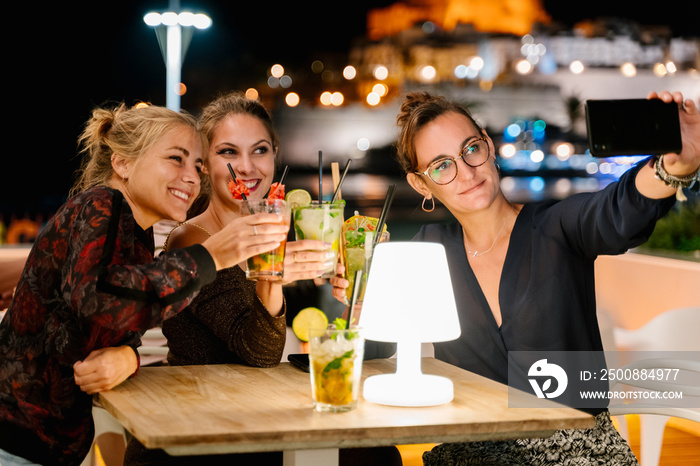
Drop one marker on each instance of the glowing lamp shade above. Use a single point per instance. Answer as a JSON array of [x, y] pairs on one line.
[[409, 300]]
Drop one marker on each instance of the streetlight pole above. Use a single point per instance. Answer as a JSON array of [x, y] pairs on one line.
[[173, 66], [174, 31]]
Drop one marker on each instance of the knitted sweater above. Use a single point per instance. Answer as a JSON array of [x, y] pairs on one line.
[[226, 323]]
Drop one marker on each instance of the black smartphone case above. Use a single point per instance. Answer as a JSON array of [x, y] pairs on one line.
[[300, 361], [632, 127]]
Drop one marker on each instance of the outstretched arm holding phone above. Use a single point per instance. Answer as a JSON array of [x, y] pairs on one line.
[[681, 165]]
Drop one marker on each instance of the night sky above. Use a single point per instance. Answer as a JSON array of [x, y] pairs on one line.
[[67, 57]]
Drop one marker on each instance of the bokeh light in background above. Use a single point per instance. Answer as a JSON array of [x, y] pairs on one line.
[[292, 99], [576, 67], [380, 89], [427, 73], [363, 144], [381, 72], [349, 72], [277, 70], [629, 70]]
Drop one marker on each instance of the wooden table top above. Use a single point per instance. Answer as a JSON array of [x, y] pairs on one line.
[[233, 408]]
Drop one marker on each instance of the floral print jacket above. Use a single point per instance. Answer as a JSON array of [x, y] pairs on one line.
[[90, 282]]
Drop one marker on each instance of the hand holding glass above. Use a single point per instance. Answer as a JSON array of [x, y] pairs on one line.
[[268, 265]]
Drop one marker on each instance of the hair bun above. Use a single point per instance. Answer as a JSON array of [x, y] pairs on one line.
[[411, 102]]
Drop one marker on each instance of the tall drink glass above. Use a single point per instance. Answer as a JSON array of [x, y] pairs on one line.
[[336, 368], [321, 221], [357, 250], [268, 265]]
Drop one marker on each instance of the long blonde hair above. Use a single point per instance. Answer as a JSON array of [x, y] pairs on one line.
[[126, 131]]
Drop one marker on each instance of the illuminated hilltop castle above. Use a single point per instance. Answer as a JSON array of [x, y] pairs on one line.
[[504, 16]]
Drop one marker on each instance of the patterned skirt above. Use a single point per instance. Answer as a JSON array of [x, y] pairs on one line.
[[601, 445]]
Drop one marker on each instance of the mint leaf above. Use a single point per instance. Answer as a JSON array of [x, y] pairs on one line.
[[340, 323], [335, 364]]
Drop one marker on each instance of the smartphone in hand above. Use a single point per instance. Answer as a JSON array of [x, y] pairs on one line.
[[632, 127]]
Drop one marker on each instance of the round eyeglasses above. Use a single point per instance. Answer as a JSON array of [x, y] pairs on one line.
[[474, 153]]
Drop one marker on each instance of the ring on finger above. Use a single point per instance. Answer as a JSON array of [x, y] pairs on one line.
[[295, 257], [255, 230]]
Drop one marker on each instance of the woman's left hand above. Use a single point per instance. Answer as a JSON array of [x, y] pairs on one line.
[[339, 283], [104, 369], [306, 259], [688, 160]]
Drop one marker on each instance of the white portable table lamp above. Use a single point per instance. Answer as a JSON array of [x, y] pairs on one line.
[[409, 300]]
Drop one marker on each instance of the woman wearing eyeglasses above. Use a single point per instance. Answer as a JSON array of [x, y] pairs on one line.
[[523, 275]]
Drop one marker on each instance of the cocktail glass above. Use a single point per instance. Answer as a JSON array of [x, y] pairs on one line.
[[336, 368], [357, 252], [321, 221], [268, 265]]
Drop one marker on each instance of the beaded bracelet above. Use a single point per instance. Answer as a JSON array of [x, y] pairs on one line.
[[678, 182]]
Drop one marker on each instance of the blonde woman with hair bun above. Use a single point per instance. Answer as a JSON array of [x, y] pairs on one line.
[[91, 284]]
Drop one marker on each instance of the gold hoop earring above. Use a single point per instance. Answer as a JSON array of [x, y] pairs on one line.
[[432, 207]]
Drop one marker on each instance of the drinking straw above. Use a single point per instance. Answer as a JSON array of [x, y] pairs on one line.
[[353, 300], [335, 172], [284, 174], [382, 217], [233, 175], [337, 189], [320, 177]]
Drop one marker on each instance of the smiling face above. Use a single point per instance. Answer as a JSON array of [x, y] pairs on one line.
[[164, 181], [474, 188], [243, 141]]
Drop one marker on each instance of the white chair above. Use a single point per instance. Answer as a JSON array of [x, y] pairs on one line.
[[154, 349], [105, 423], [674, 330], [607, 335]]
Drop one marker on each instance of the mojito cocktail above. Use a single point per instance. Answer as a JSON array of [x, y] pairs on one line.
[[321, 221], [336, 368], [358, 235]]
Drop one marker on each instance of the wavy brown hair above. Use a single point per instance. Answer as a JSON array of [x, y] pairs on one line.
[[417, 110], [231, 103]]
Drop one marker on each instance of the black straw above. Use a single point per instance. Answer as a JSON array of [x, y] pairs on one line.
[[320, 177], [382, 217], [353, 300], [233, 175], [342, 177]]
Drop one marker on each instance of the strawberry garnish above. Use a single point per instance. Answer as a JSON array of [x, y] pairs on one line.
[[276, 191], [238, 189]]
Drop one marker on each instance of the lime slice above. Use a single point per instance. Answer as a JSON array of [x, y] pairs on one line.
[[310, 317], [297, 197]]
